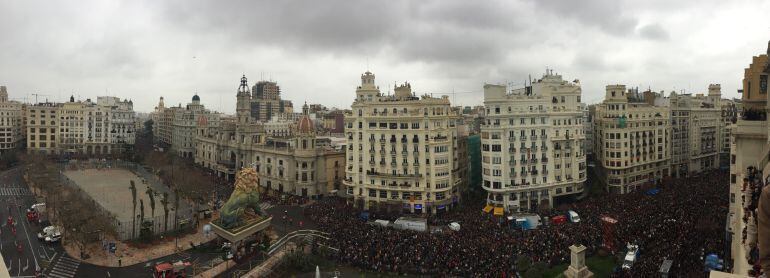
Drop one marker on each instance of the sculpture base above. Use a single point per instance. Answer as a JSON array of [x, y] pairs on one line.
[[583, 272], [241, 232]]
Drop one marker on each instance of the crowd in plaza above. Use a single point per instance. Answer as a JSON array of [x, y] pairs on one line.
[[683, 222]]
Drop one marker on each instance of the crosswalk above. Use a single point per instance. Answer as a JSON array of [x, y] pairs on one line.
[[265, 206], [64, 268], [14, 191]]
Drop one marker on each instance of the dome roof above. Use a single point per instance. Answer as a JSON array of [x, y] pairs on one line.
[[196, 98], [305, 124]]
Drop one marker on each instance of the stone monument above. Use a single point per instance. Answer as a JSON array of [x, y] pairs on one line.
[[577, 267]]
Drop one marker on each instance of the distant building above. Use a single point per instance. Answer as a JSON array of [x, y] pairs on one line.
[[285, 152], [184, 126], [696, 131], [11, 122], [81, 127], [262, 103]]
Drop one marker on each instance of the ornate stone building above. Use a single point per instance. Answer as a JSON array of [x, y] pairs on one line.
[[402, 150], [296, 162], [532, 143], [81, 127], [632, 140]]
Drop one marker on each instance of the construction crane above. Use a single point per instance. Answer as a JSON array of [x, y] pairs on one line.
[[38, 95]]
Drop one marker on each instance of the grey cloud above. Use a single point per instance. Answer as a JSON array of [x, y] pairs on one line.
[[653, 32], [608, 16], [432, 31]]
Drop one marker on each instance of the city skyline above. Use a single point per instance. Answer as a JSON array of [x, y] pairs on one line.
[[145, 50]]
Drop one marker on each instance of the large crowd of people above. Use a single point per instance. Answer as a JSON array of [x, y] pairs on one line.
[[683, 222], [750, 193]]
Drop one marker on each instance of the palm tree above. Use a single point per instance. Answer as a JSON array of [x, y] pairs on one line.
[[164, 202], [151, 195], [133, 195], [141, 210], [176, 207]]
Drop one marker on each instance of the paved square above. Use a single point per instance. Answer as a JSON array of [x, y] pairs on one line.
[[110, 188]]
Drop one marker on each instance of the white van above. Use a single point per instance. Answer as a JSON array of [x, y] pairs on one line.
[[573, 216]]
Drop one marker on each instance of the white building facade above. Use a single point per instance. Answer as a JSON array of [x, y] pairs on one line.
[[11, 122], [402, 150], [532, 143]]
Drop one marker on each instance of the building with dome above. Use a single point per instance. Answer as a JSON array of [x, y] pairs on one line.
[[184, 126], [288, 155]]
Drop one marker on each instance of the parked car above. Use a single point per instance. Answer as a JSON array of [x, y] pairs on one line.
[[49, 232]]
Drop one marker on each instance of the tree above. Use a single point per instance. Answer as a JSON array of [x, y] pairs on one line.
[[164, 202], [151, 195], [176, 208], [133, 214], [133, 196], [148, 126], [141, 210]]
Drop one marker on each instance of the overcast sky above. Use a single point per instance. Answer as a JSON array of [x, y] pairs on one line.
[[316, 50]]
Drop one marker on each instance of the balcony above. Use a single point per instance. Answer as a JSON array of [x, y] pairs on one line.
[[544, 160], [512, 150], [387, 175], [523, 138], [439, 138], [533, 137], [512, 139], [512, 162]]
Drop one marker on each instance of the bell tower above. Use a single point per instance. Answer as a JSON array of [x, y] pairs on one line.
[[243, 102]]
